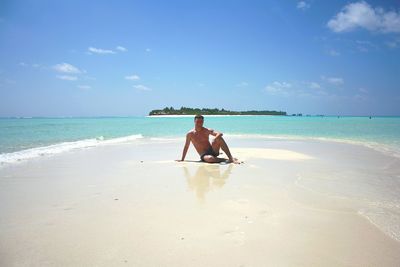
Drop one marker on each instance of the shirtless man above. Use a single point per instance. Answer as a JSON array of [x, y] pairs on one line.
[[208, 152]]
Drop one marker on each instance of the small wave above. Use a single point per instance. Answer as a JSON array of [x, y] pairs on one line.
[[32, 153], [385, 218], [123, 139], [166, 139]]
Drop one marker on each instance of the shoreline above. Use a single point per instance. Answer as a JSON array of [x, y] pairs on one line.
[[300, 198], [68, 146]]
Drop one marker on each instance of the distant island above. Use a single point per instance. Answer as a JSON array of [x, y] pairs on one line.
[[209, 111]]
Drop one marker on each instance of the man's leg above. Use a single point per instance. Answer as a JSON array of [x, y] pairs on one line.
[[212, 159], [220, 143]]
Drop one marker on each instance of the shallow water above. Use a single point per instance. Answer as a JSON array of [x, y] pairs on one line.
[[31, 137]]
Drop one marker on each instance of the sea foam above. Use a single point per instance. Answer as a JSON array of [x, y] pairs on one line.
[[32, 153]]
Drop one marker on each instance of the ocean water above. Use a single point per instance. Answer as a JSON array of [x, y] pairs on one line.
[[24, 138]]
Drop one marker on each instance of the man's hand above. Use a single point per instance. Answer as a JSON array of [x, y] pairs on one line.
[[235, 161], [218, 135], [215, 133]]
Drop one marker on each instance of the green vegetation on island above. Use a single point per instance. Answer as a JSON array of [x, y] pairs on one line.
[[211, 111]]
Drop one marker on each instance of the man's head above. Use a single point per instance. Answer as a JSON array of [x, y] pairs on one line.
[[198, 120]]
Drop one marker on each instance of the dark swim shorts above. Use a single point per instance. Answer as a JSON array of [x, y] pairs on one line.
[[209, 151]]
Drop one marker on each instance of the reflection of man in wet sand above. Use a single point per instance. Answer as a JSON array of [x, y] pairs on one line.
[[208, 152], [205, 178]]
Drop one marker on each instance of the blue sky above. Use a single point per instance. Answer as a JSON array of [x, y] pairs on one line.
[[119, 58]]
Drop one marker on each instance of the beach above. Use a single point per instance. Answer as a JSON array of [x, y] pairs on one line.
[[292, 203], [114, 116]]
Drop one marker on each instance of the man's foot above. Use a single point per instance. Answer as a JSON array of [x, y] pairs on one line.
[[235, 161]]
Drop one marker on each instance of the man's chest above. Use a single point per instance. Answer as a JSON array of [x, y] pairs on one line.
[[200, 137]]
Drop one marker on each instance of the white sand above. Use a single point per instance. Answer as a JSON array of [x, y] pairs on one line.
[[293, 203]]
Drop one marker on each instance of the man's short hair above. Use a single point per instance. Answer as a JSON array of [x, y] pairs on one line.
[[198, 116]]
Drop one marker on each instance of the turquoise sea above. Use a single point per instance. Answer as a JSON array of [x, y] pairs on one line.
[[22, 138]]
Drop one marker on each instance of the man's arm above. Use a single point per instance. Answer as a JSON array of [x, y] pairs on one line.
[[186, 147], [215, 133]]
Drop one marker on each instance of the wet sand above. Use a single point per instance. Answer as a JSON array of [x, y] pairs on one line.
[[292, 203]]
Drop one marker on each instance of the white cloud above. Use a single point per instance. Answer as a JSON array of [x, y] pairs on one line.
[[121, 48], [142, 87], [100, 51], [303, 5], [278, 88], [23, 64], [333, 53], [296, 89], [242, 84], [314, 85], [362, 15], [360, 97], [282, 84], [84, 87], [7, 81], [148, 50], [336, 81], [66, 68], [333, 80], [394, 43], [365, 46], [133, 77], [366, 43], [67, 77], [362, 48]]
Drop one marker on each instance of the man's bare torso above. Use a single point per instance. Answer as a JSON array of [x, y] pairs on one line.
[[200, 139]]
